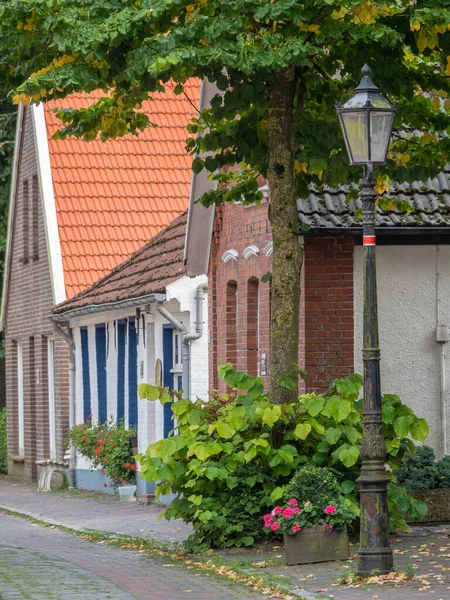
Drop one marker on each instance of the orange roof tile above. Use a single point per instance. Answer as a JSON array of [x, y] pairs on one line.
[[112, 197]]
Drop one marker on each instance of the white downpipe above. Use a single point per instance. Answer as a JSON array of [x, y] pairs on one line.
[[187, 337], [442, 398], [442, 338]]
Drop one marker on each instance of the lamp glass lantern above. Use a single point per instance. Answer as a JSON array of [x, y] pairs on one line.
[[366, 122]]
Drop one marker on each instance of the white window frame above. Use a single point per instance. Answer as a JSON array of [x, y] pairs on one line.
[[20, 402], [177, 369], [51, 396]]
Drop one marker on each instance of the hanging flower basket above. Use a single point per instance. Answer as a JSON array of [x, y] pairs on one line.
[[315, 544]]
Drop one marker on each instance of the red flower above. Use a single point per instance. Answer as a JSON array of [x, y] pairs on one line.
[[84, 438], [111, 484], [97, 451], [112, 445], [133, 467], [104, 460], [127, 465], [125, 482], [105, 485]]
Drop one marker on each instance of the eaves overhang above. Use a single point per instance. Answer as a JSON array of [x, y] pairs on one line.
[[107, 306]]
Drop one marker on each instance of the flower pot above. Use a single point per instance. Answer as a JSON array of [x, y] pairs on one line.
[[315, 544], [127, 493]]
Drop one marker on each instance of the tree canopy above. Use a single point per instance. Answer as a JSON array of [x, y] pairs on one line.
[[280, 66]]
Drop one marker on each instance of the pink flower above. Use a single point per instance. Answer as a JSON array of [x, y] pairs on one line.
[[295, 511], [274, 526], [277, 510], [330, 509], [293, 502], [287, 512], [295, 528], [268, 520]]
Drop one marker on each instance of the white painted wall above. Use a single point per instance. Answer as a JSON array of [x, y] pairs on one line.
[[412, 280], [185, 290]]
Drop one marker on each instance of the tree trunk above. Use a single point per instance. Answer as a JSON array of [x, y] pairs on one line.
[[287, 252]]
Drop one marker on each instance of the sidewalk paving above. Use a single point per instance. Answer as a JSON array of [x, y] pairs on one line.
[[425, 549]]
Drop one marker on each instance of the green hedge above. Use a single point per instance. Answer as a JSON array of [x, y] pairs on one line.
[[3, 448]]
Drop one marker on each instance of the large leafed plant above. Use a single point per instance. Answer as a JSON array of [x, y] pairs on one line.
[[228, 459]]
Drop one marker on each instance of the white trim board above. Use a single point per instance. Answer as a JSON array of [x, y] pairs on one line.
[[48, 204]]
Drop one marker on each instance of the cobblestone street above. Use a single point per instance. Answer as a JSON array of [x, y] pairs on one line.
[[39, 563]]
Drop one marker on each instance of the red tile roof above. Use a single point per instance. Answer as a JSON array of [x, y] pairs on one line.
[[148, 271], [112, 197]]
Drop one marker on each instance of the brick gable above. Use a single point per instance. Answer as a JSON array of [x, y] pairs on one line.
[[29, 302]]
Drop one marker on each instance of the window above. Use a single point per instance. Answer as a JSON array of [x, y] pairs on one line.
[[25, 223], [252, 326], [35, 217], [177, 368], [20, 407], [51, 397], [100, 351], [231, 323]]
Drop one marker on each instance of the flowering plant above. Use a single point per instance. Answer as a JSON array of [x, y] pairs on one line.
[[293, 518], [108, 447]]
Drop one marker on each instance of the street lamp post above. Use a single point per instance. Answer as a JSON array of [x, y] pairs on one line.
[[366, 121]]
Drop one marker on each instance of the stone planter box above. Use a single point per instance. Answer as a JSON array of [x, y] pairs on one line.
[[438, 502], [315, 544]]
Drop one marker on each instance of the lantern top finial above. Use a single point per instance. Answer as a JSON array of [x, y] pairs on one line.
[[366, 84]]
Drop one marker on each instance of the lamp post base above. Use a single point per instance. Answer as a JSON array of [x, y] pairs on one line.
[[375, 553]]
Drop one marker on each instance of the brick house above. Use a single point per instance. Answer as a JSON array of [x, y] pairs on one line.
[[77, 210], [235, 247], [142, 323]]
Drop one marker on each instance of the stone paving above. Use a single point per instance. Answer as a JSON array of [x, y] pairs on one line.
[[39, 563], [84, 510], [424, 551]]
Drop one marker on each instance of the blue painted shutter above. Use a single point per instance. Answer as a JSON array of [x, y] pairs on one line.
[[100, 349], [132, 374], [167, 375], [121, 369], [85, 372]]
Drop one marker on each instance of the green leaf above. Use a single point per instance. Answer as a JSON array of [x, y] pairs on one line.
[[248, 540], [388, 414], [165, 396], [419, 430], [315, 405], [200, 450], [339, 408], [302, 430], [402, 425], [347, 486], [277, 493], [349, 456], [149, 392], [418, 509], [318, 427], [195, 499], [225, 430], [271, 415]]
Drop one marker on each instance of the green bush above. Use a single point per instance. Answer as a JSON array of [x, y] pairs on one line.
[[3, 444], [317, 485], [418, 470], [443, 473], [202, 462]]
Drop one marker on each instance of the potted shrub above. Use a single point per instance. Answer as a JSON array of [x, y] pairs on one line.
[[314, 518], [109, 448]]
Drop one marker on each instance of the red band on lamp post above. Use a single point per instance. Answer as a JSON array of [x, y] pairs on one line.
[[368, 240]]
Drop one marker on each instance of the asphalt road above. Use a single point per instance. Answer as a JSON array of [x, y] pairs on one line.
[[43, 563]]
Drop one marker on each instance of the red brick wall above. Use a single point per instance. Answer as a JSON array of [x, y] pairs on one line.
[[328, 301], [326, 307], [29, 302]]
